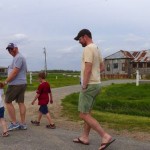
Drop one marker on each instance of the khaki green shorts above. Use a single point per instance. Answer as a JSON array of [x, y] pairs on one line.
[[15, 92], [87, 98]]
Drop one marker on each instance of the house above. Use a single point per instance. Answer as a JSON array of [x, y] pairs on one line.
[[3, 71], [141, 62], [123, 64]]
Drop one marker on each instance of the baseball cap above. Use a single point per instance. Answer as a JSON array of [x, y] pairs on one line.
[[11, 45], [82, 33]]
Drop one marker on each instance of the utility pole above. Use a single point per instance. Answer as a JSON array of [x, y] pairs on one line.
[[45, 66]]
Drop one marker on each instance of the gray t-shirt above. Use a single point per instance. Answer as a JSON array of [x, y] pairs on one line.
[[18, 62], [1, 101]]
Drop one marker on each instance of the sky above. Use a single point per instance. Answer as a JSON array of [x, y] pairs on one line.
[[52, 24]]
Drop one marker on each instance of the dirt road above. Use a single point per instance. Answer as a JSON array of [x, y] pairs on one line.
[[40, 138]]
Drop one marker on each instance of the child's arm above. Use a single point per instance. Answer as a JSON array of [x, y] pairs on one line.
[[37, 95], [51, 98]]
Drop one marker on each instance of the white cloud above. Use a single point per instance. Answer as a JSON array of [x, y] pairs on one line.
[[134, 38], [1, 6], [18, 38], [146, 45], [99, 41], [70, 49]]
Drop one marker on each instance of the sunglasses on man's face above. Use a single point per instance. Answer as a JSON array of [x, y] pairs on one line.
[[10, 49]]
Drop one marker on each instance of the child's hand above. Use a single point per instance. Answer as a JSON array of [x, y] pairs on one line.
[[33, 102], [51, 101]]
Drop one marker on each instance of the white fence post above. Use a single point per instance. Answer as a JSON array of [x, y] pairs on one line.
[[30, 77], [137, 77]]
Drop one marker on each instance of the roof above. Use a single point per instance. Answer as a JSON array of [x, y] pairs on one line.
[[2, 67], [120, 54], [135, 56], [142, 56]]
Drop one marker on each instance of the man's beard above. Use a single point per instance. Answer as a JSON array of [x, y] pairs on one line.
[[83, 44]]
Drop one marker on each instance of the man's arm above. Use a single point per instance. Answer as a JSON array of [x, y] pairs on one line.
[[12, 75], [87, 74], [102, 67]]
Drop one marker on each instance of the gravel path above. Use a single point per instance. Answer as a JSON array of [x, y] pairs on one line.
[[40, 138]]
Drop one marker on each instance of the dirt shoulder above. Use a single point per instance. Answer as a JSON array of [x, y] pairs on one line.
[[63, 122]]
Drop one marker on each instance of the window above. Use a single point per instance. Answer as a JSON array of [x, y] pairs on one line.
[[148, 65], [115, 65], [123, 66], [108, 67], [134, 65], [140, 65]]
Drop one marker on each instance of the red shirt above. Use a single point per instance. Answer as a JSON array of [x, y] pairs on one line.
[[44, 90]]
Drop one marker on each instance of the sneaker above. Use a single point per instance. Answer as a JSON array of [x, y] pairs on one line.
[[36, 123], [23, 127], [13, 126], [51, 126]]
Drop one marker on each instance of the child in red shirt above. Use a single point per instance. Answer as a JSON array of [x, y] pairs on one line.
[[44, 96]]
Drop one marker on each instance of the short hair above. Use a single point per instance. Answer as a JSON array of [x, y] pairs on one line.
[[42, 75]]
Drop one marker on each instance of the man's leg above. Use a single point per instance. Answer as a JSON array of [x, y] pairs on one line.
[[93, 123], [85, 134], [11, 112], [22, 109]]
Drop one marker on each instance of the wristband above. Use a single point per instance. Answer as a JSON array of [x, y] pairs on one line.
[[5, 82], [84, 87]]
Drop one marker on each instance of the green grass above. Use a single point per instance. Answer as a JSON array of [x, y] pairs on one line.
[[120, 106], [123, 122], [55, 80], [125, 99]]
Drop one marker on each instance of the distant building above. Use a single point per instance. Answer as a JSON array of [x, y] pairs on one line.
[[123, 64], [3, 71]]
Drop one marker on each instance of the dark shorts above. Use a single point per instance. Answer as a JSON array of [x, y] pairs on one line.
[[87, 98], [43, 109], [15, 92], [2, 109]]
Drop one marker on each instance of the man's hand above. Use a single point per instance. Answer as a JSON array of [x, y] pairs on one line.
[[5, 83], [84, 87]]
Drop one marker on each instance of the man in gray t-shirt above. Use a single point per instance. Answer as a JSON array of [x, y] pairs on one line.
[[16, 81]]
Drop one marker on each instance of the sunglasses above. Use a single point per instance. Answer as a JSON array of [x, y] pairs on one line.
[[10, 49]]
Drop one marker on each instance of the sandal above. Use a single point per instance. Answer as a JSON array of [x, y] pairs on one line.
[[51, 126], [35, 122], [106, 144], [5, 134]]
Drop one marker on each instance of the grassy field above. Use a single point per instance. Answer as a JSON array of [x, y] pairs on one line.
[[119, 106], [55, 80]]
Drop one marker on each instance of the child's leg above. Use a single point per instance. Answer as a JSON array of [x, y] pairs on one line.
[[49, 118], [4, 125], [39, 116], [37, 123]]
